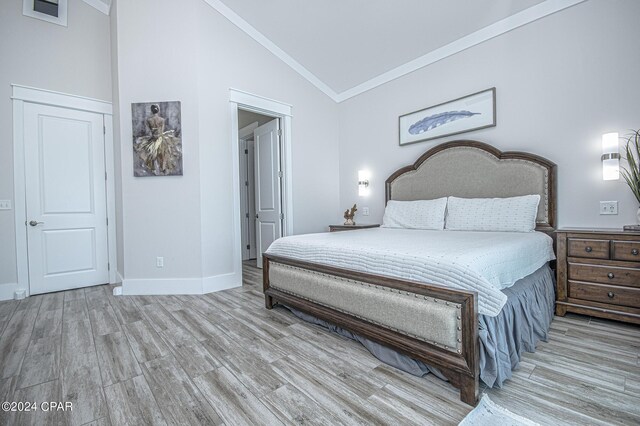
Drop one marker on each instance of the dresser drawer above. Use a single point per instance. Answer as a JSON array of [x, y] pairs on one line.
[[614, 295], [604, 274], [593, 249], [626, 250]]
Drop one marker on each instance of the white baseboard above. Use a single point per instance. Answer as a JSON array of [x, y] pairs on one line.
[[7, 291], [148, 287], [144, 287], [221, 282], [162, 286]]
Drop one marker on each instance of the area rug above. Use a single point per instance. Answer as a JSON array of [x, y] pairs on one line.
[[489, 413]]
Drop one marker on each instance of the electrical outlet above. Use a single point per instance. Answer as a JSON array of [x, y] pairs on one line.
[[365, 211], [160, 262], [5, 204], [608, 207]]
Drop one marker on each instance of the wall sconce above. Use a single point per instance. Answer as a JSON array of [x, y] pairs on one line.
[[363, 183], [610, 157]]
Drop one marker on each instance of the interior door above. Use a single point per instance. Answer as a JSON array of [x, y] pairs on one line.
[[244, 198], [247, 199], [251, 199], [66, 198], [267, 176]]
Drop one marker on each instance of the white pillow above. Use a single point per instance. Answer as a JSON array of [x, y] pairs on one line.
[[515, 214], [421, 214]]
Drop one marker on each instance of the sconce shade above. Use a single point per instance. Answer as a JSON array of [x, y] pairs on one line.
[[363, 183], [610, 157]]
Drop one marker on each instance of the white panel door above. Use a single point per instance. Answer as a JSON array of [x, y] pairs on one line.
[[244, 197], [247, 199], [66, 198], [268, 204], [251, 171]]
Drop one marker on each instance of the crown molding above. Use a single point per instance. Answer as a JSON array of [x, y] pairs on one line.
[[496, 29], [487, 33], [235, 19], [101, 6]]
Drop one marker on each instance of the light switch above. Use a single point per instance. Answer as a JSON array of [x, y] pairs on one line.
[[5, 204], [365, 211]]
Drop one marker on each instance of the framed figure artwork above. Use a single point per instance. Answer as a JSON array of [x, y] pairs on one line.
[[157, 139]]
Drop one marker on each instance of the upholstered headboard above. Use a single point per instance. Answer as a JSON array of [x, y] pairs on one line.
[[471, 169]]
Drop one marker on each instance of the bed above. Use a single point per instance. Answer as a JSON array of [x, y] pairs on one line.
[[375, 284]]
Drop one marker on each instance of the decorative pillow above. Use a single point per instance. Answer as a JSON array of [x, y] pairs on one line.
[[421, 214], [515, 214]]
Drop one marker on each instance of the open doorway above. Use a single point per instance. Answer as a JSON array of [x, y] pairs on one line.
[[260, 168], [262, 126]]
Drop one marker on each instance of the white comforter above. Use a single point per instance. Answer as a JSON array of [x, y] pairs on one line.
[[485, 262]]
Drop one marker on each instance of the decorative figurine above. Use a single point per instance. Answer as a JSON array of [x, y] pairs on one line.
[[349, 214]]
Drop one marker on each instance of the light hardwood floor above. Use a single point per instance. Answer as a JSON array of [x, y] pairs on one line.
[[223, 359]]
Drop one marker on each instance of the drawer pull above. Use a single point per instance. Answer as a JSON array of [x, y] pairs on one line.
[[610, 275], [610, 294], [588, 249], [635, 252]]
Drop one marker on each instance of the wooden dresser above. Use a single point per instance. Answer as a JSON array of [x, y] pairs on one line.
[[599, 273]]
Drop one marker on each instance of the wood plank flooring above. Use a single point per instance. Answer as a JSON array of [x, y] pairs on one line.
[[223, 359]]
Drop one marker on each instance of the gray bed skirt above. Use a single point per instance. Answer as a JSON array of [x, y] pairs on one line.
[[523, 321]]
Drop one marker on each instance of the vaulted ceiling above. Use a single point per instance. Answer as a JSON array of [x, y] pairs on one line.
[[344, 43], [345, 47]]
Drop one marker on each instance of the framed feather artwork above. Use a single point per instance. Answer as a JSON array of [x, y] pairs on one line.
[[472, 112]]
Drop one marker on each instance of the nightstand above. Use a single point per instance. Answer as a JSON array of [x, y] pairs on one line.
[[338, 228], [599, 273]]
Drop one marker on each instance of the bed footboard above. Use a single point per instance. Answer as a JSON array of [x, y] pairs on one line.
[[436, 325]]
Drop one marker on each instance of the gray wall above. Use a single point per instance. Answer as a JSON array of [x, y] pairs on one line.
[[74, 60], [117, 146], [189, 219], [561, 83]]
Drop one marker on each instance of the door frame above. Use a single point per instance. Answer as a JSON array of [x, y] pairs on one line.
[[276, 109], [25, 94]]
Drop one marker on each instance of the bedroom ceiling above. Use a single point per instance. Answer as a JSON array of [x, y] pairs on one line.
[[345, 43], [103, 6]]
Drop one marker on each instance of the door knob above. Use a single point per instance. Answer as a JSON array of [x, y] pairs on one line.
[[35, 223]]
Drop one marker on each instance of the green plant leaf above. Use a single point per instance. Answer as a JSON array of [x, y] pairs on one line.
[[632, 155]]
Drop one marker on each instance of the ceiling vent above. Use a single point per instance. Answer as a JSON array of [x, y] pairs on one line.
[[50, 7], [54, 11]]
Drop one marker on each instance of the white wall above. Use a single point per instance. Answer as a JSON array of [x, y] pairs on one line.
[[186, 51], [73, 59], [561, 83], [160, 217], [117, 146]]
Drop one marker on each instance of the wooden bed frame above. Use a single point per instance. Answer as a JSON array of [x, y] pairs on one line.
[[461, 367]]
